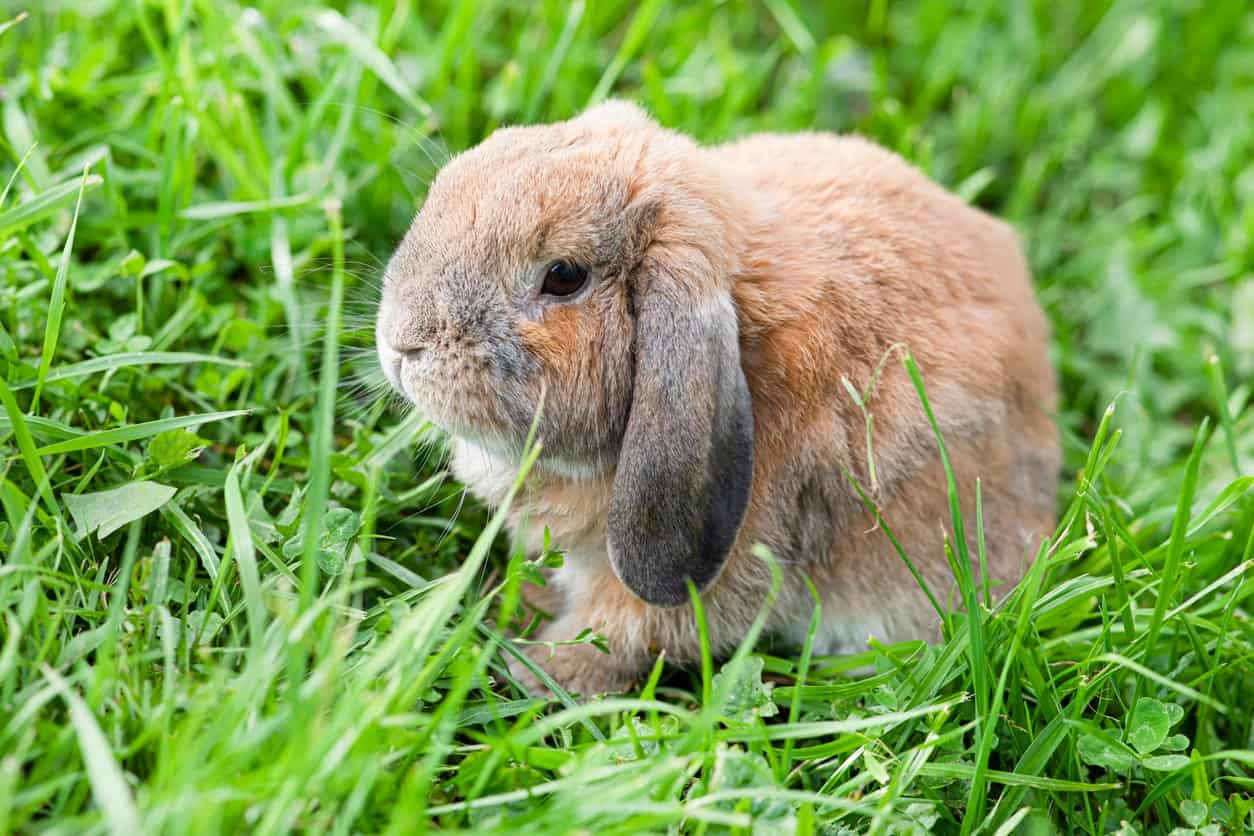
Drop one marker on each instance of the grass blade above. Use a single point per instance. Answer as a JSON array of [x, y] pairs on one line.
[[184, 525], [646, 14], [1175, 550], [56, 307], [245, 558], [234, 208], [352, 39], [44, 204], [134, 432], [108, 786], [324, 418], [962, 565], [110, 362], [26, 447]]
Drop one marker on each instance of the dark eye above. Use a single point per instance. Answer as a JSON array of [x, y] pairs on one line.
[[564, 278]]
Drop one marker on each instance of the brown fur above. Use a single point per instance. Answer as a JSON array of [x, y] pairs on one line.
[[834, 252]]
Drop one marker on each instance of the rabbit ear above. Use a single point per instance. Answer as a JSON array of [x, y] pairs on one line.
[[686, 465]]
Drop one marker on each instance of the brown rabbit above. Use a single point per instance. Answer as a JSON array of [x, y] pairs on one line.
[[691, 317]]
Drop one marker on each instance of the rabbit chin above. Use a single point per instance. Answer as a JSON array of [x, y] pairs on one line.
[[455, 414], [490, 466]]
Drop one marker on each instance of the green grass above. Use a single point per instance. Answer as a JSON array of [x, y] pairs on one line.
[[293, 621]]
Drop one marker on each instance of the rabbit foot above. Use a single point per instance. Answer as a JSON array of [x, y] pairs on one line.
[[578, 668]]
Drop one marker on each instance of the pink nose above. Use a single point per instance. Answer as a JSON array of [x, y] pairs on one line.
[[412, 323]]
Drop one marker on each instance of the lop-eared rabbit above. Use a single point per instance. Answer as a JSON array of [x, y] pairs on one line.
[[693, 319]]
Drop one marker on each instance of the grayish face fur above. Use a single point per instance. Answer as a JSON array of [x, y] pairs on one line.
[[466, 333], [635, 373]]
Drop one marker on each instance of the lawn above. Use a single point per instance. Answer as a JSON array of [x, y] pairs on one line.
[[240, 593]]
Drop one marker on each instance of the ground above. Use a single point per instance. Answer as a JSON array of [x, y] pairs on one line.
[[240, 593]]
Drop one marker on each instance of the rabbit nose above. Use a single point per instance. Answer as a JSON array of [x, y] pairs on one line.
[[397, 356], [406, 353], [409, 348], [411, 338], [416, 316]]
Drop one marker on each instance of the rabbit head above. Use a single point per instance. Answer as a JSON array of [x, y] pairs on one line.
[[583, 271]]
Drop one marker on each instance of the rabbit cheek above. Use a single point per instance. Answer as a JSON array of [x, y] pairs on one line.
[[553, 340], [573, 350], [552, 343]]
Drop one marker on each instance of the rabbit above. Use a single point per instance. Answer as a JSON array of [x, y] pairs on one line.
[[688, 322]]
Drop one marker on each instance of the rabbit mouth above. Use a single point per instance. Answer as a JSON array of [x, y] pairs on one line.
[[393, 362], [444, 396], [457, 415]]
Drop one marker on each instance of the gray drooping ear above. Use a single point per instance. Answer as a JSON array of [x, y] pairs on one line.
[[685, 470]]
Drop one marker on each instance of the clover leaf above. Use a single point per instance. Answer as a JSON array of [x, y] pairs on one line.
[[1146, 740]]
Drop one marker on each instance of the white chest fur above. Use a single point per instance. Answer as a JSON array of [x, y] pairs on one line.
[[570, 503]]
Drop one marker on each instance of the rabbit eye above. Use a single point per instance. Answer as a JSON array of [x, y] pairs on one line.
[[564, 278]]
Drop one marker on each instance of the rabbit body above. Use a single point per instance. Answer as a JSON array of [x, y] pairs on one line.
[[795, 269]]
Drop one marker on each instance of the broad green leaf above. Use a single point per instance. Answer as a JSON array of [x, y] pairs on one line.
[[132, 264], [736, 769], [104, 512], [172, 448], [749, 697], [1098, 752], [339, 528], [1148, 725], [1166, 763], [1175, 743], [1194, 812]]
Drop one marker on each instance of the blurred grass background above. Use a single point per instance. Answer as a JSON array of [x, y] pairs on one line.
[[221, 603]]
